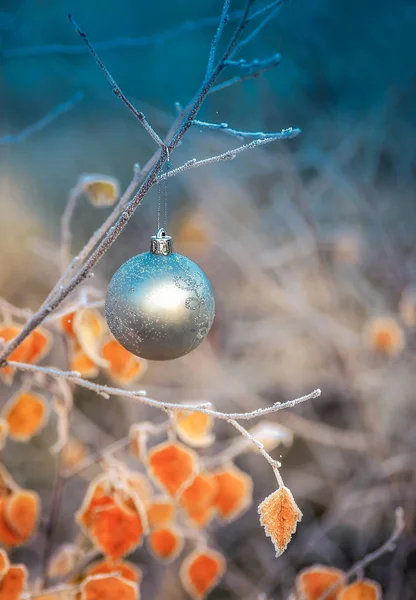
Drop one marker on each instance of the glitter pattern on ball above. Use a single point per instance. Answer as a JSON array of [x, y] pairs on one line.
[[160, 305]]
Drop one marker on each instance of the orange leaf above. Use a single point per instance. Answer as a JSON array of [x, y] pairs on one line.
[[124, 569], [82, 363], [194, 428], [8, 332], [361, 590], [13, 583], [21, 512], [26, 414], [40, 343], [67, 324], [4, 563], [108, 587], [198, 499], [234, 492], [123, 366], [201, 571], [385, 335], [160, 512], [313, 582], [8, 537], [279, 515], [165, 543], [172, 466]]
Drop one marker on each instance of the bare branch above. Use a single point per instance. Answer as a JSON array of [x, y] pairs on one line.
[[43, 122], [240, 134], [254, 69], [285, 134], [215, 40], [116, 89], [274, 7], [119, 42]]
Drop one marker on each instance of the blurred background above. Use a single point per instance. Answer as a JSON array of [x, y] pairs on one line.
[[309, 244]]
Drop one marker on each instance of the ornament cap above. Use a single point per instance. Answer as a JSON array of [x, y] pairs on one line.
[[161, 243]]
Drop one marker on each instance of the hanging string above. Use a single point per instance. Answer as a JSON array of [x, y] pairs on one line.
[[163, 196]]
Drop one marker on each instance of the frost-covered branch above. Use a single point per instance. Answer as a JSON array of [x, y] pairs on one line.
[[43, 122]]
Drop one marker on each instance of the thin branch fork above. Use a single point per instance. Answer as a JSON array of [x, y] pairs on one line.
[[112, 234]]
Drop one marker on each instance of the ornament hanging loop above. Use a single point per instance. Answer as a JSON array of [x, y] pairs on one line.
[[161, 243]]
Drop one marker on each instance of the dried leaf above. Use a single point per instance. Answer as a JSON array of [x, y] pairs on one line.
[[63, 561], [194, 428], [4, 562], [101, 190], [108, 587], [123, 366], [234, 492], [124, 569], [165, 543], [313, 582], [89, 327], [361, 590], [271, 435], [40, 343], [21, 512], [160, 512], [26, 414], [80, 361], [198, 499], [20, 354], [73, 452], [8, 537], [172, 466], [13, 583], [140, 485], [279, 515], [201, 571]]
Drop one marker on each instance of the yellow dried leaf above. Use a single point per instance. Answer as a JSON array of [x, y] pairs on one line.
[[101, 190], [361, 590], [89, 327], [279, 515], [234, 490], [194, 428]]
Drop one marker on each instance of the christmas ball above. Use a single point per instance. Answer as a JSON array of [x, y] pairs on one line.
[[159, 304]]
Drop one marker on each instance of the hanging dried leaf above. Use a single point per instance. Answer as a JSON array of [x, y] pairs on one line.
[[279, 515], [80, 361], [165, 543], [8, 537], [20, 354], [4, 562], [108, 587], [160, 512], [21, 512], [89, 327], [124, 569], [313, 582], [63, 561], [234, 492], [123, 366], [361, 590], [66, 323], [201, 571], [26, 414], [115, 524], [172, 466], [101, 190], [194, 428], [198, 499], [40, 343], [73, 453], [13, 583]]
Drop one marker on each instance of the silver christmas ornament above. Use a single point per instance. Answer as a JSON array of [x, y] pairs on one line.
[[160, 304]]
